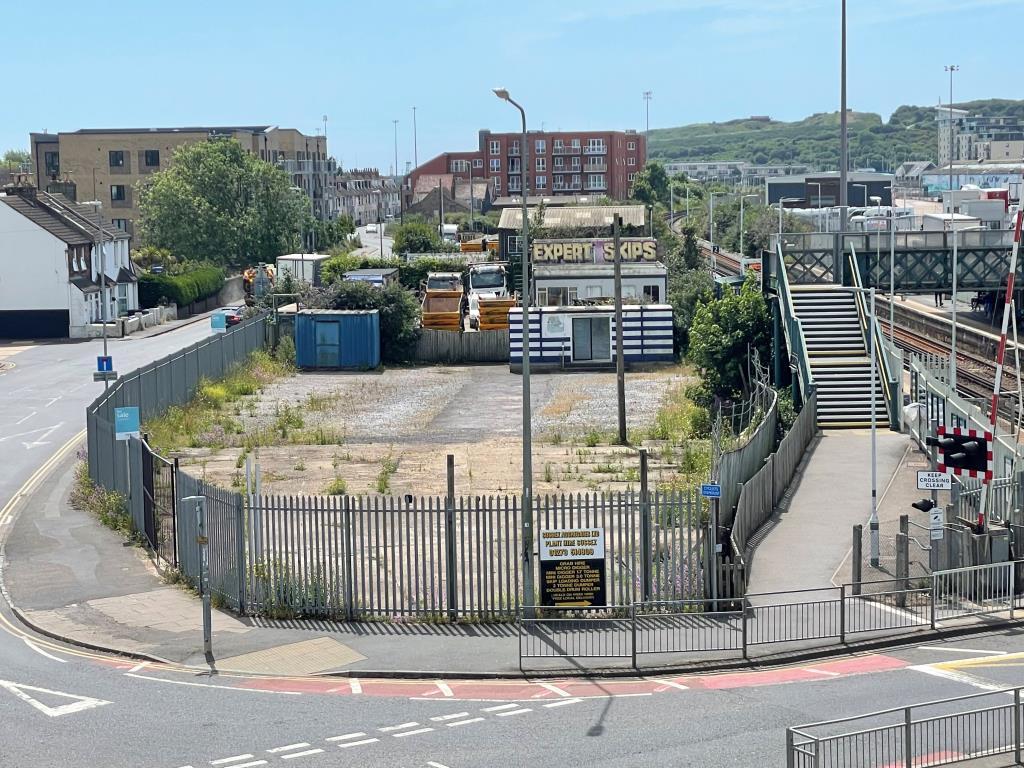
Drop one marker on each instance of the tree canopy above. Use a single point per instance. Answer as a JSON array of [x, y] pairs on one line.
[[221, 204], [15, 158], [415, 235]]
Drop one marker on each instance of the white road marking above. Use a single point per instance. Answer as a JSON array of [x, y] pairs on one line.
[[444, 688], [41, 652], [81, 702], [465, 722], [355, 686], [562, 703], [412, 733], [670, 684], [26, 418], [139, 667], [390, 728], [959, 650], [826, 672], [514, 712], [235, 759], [289, 748], [307, 753], [432, 764], [250, 765], [209, 685], [956, 676], [499, 707], [346, 737], [534, 701], [357, 743], [442, 718], [555, 689]]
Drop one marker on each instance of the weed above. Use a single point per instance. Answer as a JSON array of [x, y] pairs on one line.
[[556, 438], [608, 469], [109, 507], [337, 487], [631, 475], [300, 465], [548, 474], [237, 481], [388, 467], [240, 461], [592, 438], [319, 402]]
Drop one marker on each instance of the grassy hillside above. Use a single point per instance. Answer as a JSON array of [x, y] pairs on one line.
[[910, 134]]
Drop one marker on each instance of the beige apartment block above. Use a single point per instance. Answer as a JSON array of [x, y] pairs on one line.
[[110, 165]]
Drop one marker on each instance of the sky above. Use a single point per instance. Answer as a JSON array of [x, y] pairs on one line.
[[573, 64]]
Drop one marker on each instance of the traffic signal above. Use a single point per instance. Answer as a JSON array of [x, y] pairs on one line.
[[964, 452], [925, 505]]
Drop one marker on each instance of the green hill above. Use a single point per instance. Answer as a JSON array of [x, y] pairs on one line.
[[910, 134]]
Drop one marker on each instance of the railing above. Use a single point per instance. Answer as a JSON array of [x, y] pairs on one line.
[[738, 466], [797, 617], [793, 328], [596, 187], [891, 380], [595, 168], [932, 733], [568, 150]]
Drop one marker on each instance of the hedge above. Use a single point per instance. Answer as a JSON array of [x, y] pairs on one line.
[[180, 289]]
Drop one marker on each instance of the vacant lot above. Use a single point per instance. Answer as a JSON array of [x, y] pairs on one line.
[[389, 431]]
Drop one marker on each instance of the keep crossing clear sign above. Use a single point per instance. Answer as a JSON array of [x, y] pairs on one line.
[[934, 481]]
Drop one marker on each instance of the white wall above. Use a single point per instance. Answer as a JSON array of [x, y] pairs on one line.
[[631, 286], [33, 266]]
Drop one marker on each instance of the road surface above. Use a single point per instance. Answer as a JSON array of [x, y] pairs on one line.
[[379, 243]]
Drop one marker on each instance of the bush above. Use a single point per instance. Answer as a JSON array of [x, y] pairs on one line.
[[337, 487], [109, 507], [180, 289]]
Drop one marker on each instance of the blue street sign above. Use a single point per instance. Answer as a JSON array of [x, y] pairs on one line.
[[104, 363], [711, 490], [126, 422], [218, 322]]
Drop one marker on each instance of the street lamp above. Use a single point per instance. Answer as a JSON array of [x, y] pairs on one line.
[[865, 188], [742, 198], [782, 202], [873, 522], [96, 206], [503, 94], [951, 68]]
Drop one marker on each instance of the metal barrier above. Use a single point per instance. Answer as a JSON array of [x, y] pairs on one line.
[[920, 735], [607, 633]]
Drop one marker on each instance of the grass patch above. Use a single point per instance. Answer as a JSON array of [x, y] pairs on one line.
[[680, 419], [109, 507], [337, 487], [320, 403], [388, 467], [204, 422]]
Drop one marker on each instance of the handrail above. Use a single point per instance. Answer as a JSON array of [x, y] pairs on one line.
[[793, 329], [877, 338]]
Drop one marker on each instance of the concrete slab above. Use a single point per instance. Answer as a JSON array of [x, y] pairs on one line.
[[309, 657]]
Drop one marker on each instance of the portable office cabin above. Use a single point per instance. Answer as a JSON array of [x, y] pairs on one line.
[[378, 278], [584, 337], [303, 267], [337, 339]]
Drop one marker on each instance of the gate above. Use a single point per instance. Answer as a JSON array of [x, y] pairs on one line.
[[159, 484]]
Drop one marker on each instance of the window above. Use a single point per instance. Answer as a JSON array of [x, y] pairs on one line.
[[591, 339], [497, 184], [632, 177], [513, 148], [460, 166], [515, 165], [595, 147], [652, 293], [556, 297], [478, 162], [117, 192], [52, 162], [495, 165], [559, 145], [575, 163], [541, 182], [120, 224], [559, 163], [631, 161], [495, 147], [122, 299], [576, 144], [595, 181], [151, 157], [631, 146], [575, 181], [540, 146], [558, 182], [116, 158], [542, 297], [542, 163], [515, 244]]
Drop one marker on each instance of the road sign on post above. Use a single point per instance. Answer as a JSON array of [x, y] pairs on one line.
[[126, 422], [711, 490], [105, 363], [934, 481]]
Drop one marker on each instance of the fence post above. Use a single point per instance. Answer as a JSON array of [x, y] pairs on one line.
[[935, 598], [790, 749], [902, 567], [240, 553], [842, 614], [350, 609], [743, 625], [645, 528], [632, 622], [1016, 727], [857, 558], [908, 739], [449, 526]]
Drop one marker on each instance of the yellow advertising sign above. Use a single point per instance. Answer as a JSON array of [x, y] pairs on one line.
[[596, 251]]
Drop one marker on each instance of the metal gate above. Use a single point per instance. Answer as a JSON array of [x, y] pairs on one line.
[[159, 483]]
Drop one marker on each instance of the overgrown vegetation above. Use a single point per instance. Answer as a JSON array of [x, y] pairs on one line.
[[183, 288], [206, 420], [109, 507]]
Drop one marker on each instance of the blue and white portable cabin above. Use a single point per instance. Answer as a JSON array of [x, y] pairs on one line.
[[581, 337], [337, 339]]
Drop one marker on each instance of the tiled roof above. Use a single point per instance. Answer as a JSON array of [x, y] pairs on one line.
[[577, 216], [74, 224]]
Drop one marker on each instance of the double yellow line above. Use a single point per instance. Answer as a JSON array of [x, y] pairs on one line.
[[29, 485]]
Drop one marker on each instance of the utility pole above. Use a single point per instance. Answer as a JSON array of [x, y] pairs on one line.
[[844, 148], [951, 68], [620, 363], [647, 107]]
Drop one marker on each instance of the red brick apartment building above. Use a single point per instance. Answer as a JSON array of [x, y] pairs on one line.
[[562, 163]]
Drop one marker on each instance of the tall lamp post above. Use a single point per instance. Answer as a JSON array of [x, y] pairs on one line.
[[742, 252], [782, 205], [96, 206], [951, 68], [864, 189], [528, 597]]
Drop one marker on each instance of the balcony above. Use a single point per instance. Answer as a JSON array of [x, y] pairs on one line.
[[566, 150], [596, 150], [513, 151], [601, 167], [596, 187]]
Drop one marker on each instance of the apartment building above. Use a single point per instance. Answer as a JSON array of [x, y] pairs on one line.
[[975, 137], [365, 195], [559, 163], [109, 164], [732, 171]]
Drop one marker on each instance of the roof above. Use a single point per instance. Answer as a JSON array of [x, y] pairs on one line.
[[337, 311], [993, 167], [72, 223], [373, 272], [187, 129], [427, 183], [553, 271], [552, 200], [304, 257], [852, 176], [577, 216], [84, 284]]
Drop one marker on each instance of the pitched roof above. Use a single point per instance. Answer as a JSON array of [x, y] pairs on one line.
[[577, 216], [74, 224]]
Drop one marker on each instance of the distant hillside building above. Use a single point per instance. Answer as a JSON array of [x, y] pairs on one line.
[[974, 135], [732, 171], [821, 190], [560, 163]]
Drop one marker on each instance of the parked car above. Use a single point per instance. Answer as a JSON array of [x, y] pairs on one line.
[[234, 315], [371, 228]]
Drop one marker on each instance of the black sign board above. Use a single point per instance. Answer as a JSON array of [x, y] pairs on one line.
[[572, 569]]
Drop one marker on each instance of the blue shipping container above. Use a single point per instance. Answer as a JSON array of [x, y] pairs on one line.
[[331, 338]]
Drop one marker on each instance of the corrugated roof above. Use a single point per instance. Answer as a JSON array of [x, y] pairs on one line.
[[577, 216]]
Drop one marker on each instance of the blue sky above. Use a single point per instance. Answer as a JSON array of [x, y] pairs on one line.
[[580, 64]]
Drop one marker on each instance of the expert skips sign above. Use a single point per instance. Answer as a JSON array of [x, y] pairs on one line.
[[596, 251], [572, 569]]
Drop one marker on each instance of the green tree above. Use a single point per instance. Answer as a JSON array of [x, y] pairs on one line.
[[723, 334], [219, 203], [16, 157], [416, 236], [651, 185], [686, 291]]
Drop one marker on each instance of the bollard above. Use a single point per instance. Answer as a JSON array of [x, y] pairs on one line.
[[857, 557], [902, 568]]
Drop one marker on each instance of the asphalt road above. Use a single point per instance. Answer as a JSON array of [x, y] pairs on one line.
[[67, 707], [375, 241]]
